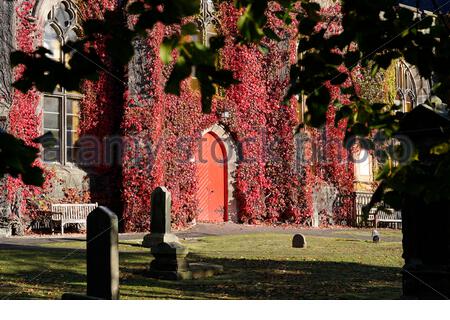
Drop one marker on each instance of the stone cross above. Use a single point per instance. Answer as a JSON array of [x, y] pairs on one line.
[[102, 254]]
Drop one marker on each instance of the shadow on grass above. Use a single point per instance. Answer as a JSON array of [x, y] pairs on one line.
[[47, 273], [275, 279]]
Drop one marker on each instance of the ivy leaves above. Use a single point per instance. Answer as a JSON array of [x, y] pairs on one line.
[[359, 33], [198, 58], [399, 32], [168, 12], [112, 32]]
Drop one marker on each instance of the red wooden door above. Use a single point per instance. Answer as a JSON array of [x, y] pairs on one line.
[[212, 177]]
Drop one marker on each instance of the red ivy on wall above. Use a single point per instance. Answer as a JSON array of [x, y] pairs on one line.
[[335, 167], [25, 118], [267, 186], [161, 132]]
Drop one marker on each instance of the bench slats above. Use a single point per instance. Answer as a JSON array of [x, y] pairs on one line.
[[383, 216], [71, 213]]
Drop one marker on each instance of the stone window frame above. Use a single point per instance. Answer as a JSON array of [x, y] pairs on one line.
[[47, 17], [406, 86], [207, 21], [208, 26]]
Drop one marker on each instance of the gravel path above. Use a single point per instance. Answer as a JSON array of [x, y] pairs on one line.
[[202, 230]]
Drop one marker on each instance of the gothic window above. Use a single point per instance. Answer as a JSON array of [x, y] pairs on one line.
[[207, 21], [406, 88], [61, 108]]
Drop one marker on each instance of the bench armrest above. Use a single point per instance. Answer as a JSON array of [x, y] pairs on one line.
[[57, 216]]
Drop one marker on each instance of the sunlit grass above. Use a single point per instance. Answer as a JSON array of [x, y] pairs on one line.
[[259, 266]]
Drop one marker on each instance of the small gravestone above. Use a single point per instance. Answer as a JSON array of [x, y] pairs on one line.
[[102, 254], [299, 241], [375, 236], [160, 223]]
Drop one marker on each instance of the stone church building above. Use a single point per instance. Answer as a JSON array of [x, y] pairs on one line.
[[122, 136]]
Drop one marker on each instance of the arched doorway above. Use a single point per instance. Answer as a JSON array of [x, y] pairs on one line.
[[212, 177]]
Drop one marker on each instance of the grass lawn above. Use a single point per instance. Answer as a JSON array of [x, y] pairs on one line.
[[258, 266]]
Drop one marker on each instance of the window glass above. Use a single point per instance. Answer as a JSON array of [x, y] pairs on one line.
[[52, 104], [72, 122], [52, 154], [51, 121], [364, 163], [73, 106], [52, 124]]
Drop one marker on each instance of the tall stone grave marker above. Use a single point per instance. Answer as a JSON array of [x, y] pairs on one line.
[[102, 254], [160, 223], [169, 255]]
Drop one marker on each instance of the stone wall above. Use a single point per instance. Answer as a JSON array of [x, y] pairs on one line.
[[66, 178], [6, 45]]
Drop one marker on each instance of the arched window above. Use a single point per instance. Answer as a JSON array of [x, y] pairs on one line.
[[207, 21], [61, 108], [406, 87]]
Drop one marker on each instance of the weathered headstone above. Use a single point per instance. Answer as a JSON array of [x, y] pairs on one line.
[[169, 262], [375, 236], [160, 223], [169, 255], [299, 241], [102, 254]]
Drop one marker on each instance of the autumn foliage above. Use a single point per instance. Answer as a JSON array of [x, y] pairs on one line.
[[272, 188]]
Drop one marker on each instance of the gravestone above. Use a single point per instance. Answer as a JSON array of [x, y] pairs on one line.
[[375, 236], [299, 241], [102, 254], [169, 255], [160, 223], [169, 261]]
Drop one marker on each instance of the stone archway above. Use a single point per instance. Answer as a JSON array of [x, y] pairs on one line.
[[216, 167]]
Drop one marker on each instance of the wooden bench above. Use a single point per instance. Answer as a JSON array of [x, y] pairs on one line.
[[71, 213], [386, 215]]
